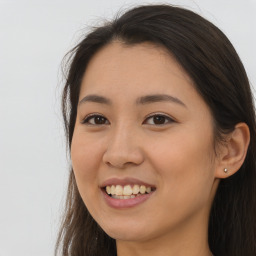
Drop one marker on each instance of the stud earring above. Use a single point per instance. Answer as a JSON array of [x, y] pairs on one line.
[[225, 170]]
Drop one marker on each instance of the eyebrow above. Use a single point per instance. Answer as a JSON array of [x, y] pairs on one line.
[[96, 99], [159, 98], [154, 98]]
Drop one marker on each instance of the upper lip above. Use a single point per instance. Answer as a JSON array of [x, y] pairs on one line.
[[125, 181]]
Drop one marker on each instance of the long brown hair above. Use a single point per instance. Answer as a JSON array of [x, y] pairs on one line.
[[219, 77]]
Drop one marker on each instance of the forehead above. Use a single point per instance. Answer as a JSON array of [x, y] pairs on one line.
[[136, 70], [131, 63]]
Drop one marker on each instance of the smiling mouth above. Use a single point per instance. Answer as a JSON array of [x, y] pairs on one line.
[[127, 191]]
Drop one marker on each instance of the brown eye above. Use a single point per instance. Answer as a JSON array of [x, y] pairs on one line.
[[95, 120], [158, 120]]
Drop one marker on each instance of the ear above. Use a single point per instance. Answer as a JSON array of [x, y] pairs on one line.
[[233, 153]]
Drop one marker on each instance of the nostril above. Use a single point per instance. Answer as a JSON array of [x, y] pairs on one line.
[[121, 156]]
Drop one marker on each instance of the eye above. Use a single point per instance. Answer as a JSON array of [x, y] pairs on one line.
[[158, 119], [95, 120]]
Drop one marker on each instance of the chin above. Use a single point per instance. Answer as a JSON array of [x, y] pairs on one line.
[[126, 236], [128, 232]]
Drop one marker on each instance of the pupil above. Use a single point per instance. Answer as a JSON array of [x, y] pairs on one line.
[[99, 120], [159, 119]]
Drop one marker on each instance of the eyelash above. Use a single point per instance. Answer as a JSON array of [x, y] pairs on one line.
[[167, 119], [92, 116]]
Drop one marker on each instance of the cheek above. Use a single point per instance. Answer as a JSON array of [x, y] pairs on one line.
[[86, 158], [185, 166]]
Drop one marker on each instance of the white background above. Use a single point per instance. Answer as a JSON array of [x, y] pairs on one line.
[[34, 36]]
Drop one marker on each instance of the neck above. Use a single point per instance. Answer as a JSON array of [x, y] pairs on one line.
[[164, 248], [184, 241]]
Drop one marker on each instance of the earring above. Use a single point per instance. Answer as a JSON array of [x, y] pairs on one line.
[[225, 170]]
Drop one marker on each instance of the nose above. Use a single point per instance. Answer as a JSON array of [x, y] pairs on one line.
[[123, 149]]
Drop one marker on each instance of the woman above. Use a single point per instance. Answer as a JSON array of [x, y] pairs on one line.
[[161, 128]]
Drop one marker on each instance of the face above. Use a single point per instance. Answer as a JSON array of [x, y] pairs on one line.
[[142, 125]]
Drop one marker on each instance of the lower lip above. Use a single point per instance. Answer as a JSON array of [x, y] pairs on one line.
[[126, 203]]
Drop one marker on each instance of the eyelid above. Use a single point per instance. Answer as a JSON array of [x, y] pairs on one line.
[[87, 118], [168, 117]]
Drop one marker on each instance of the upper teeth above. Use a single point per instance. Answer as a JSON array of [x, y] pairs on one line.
[[127, 190]]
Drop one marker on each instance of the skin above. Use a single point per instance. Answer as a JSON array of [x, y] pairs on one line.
[[177, 157]]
